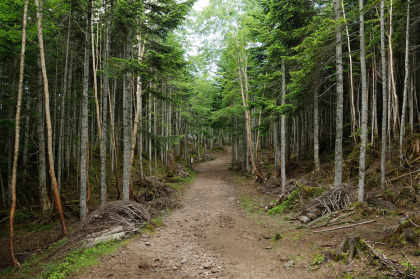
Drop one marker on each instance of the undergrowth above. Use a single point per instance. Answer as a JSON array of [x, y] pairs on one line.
[[287, 204]]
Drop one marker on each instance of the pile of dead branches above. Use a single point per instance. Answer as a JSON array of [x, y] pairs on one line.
[[180, 171], [112, 221], [156, 195], [334, 199], [273, 186]]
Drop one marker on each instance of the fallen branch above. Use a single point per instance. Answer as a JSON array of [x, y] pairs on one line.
[[345, 227], [401, 176], [414, 224], [395, 267]]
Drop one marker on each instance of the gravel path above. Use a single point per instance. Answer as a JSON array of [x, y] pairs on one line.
[[209, 236]]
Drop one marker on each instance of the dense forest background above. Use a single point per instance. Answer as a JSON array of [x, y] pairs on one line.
[[97, 94]]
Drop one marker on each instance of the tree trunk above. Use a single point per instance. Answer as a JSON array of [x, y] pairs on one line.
[[364, 112], [243, 79], [316, 130], [395, 105], [137, 115], [15, 262], [384, 96], [406, 80], [283, 129], [26, 137], [42, 164], [150, 134], [105, 94], [275, 120], [63, 109], [352, 106], [84, 121], [127, 128], [338, 176], [95, 82], [48, 119]]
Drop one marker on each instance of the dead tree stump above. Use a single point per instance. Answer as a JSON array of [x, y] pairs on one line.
[[350, 244]]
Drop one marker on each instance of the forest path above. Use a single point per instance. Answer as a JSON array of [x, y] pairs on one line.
[[209, 236]]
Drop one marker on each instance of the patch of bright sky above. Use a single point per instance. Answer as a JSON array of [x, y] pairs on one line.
[[195, 41], [200, 4]]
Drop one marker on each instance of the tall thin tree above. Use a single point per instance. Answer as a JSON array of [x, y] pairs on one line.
[[15, 262], [364, 112], [384, 95], [48, 119], [406, 80], [84, 120], [338, 176]]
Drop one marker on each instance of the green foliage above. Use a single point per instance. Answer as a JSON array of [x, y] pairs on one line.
[[319, 259], [250, 204], [287, 205], [78, 259]]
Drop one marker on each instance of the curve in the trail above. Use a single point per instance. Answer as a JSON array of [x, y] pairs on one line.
[[209, 236]]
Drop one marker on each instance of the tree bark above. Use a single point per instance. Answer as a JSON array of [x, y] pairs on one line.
[[105, 96], [137, 115], [127, 128], [48, 119], [338, 176], [15, 262], [384, 96], [283, 129], [42, 164], [406, 80], [84, 121], [395, 105], [364, 112], [352, 106], [243, 80], [316, 130], [63, 109]]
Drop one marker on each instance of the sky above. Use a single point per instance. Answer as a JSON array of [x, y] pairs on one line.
[[200, 4]]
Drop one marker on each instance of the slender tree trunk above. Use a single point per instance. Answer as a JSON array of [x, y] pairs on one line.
[[42, 164], [95, 82], [316, 130], [406, 80], [283, 129], [15, 262], [384, 96], [105, 96], [84, 121], [63, 109], [374, 119], [137, 115], [363, 136], [245, 161], [26, 137], [395, 108], [150, 133], [243, 79], [48, 119], [338, 177], [276, 146], [352, 106], [127, 128]]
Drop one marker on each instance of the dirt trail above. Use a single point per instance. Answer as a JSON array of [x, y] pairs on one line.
[[209, 236]]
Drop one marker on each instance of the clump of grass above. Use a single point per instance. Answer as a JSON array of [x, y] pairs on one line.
[[78, 259], [249, 204]]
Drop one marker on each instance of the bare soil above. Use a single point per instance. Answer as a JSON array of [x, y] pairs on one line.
[[211, 236]]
